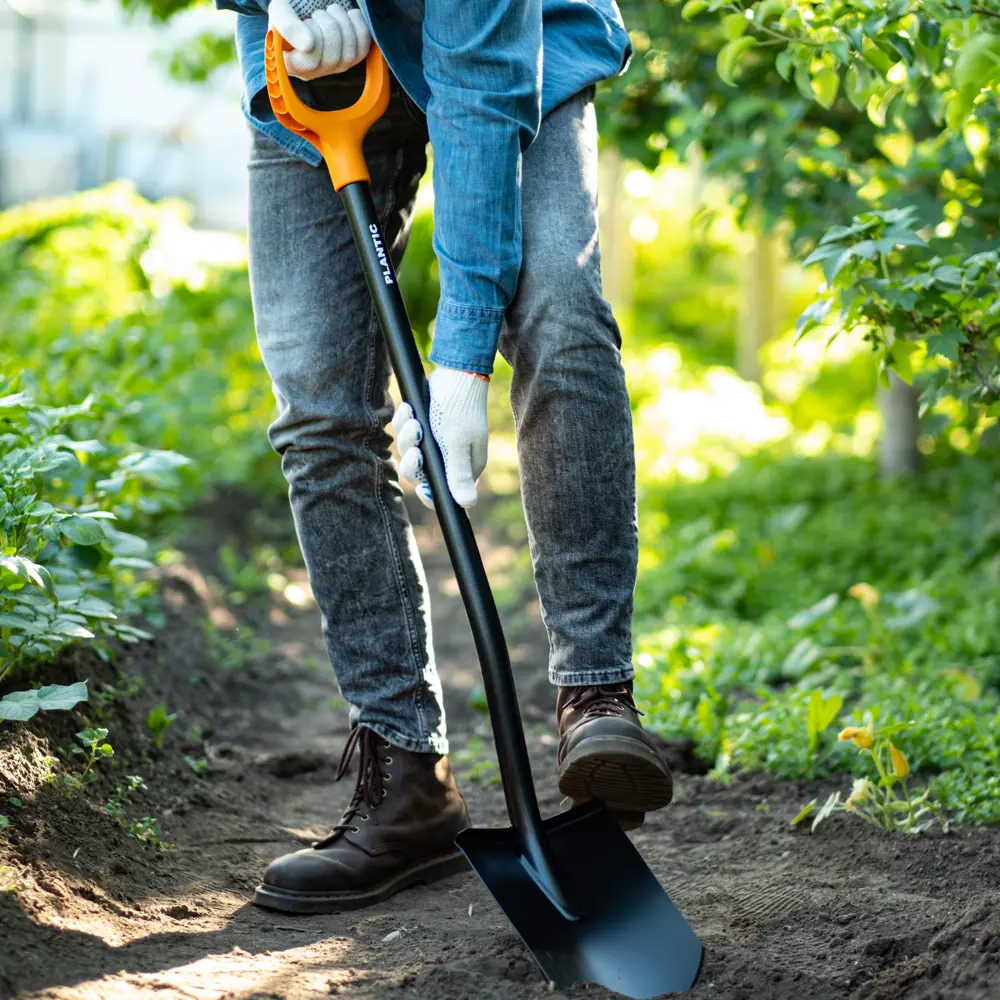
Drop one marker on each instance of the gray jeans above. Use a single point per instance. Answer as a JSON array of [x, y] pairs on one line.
[[323, 350]]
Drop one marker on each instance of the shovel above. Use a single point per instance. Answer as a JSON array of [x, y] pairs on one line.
[[575, 889]]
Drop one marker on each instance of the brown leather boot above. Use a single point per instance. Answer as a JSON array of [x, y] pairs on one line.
[[399, 830], [604, 753]]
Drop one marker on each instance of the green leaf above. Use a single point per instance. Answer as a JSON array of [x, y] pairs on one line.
[[154, 462], [769, 10], [91, 737], [734, 26], [814, 315], [71, 629], [913, 607], [785, 62], [124, 544], [40, 509], [803, 80], [693, 8], [61, 697], [828, 807], [946, 342], [729, 57], [822, 711], [93, 607], [803, 655], [825, 84], [9, 619], [815, 613], [81, 530], [978, 64], [31, 571], [858, 85], [19, 706], [804, 812], [130, 562], [958, 111]]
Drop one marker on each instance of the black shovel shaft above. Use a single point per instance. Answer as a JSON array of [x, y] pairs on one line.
[[498, 679]]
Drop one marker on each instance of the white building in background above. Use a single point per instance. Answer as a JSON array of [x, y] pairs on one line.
[[85, 98]]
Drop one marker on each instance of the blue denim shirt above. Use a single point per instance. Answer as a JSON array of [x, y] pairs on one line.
[[485, 72]]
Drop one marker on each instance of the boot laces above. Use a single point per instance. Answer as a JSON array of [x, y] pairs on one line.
[[370, 788], [602, 700]]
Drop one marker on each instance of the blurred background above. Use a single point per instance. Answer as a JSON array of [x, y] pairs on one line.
[[799, 220]]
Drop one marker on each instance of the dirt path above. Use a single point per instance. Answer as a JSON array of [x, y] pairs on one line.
[[91, 914]]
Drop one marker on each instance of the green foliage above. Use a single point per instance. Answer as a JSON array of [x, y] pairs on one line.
[[93, 748], [234, 650], [146, 829], [197, 765], [755, 635], [158, 722], [886, 803], [200, 56], [102, 293], [64, 565], [887, 283], [20, 706], [161, 10], [845, 109]]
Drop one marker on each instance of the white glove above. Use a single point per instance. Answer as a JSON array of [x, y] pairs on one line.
[[459, 425], [327, 36]]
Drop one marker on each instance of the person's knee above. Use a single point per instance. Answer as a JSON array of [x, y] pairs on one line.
[[560, 314], [320, 412]]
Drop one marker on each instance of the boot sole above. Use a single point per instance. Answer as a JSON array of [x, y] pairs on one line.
[[626, 775], [430, 870]]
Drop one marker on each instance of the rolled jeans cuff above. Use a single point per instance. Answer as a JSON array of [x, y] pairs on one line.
[[437, 744], [592, 677]]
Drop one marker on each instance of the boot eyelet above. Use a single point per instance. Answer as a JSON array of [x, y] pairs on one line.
[[364, 819], [387, 776], [387, 760], [356, 829]]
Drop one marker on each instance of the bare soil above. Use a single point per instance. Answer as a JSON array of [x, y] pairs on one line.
[[89, 912]]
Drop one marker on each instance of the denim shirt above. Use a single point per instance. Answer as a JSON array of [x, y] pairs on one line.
[[485, 72]]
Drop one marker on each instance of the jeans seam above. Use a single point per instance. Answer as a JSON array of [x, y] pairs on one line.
[[379, 480]]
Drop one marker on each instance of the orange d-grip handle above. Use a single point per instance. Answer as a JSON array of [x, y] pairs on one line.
[[338, 135]]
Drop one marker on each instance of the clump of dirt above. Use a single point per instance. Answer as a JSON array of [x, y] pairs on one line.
[[246, 773]]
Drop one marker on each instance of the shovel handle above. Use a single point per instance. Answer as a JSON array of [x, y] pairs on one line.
[[338, 135]]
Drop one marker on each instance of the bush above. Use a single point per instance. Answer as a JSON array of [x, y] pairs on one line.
[[69, 485]]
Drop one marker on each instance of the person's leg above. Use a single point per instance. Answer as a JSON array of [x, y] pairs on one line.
[[575, 446], [321, 344]]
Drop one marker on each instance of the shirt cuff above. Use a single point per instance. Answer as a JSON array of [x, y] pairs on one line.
[[466, 337]]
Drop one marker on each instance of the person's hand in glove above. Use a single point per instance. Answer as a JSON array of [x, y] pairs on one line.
[[459, 425], [326, 36]]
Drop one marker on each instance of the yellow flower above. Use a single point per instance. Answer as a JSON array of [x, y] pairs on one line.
[[900, 765], [864, 738], [858, 792], [866, 594]]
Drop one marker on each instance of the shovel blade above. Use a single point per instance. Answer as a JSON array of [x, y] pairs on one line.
[[629, 937]]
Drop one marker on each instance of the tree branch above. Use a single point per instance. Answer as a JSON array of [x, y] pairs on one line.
[[987, 384]]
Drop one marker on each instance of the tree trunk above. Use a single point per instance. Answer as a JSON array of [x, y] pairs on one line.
[[899, 454], [760, 307]]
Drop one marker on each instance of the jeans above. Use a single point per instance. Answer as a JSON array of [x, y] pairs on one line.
[[323, 350]]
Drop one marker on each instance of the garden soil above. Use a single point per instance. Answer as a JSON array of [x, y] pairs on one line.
[[89, 912]]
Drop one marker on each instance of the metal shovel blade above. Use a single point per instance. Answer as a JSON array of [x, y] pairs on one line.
[[629, 936]]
